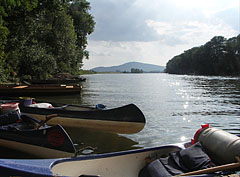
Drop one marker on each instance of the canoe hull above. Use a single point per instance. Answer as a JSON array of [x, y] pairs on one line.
[[36, 151], [45, 142], [120, 164], [39, 90], [104, 125], [57, 81], [127, 119]]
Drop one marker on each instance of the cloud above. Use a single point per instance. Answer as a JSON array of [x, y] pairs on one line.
[[119, 21], [190, 32], [230, 16], [157, 30]]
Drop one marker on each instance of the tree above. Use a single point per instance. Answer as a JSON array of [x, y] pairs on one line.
[[60, 36], [31, 65], [219, 56], [83, 24], [135, 70]]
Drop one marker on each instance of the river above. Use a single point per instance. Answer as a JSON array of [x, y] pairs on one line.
[[174, 106]]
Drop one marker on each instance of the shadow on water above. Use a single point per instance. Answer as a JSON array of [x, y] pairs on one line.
[[100, 141], [104, 142], [6, 153]]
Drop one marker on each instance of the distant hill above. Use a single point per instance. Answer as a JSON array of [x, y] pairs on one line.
[[128, 66]]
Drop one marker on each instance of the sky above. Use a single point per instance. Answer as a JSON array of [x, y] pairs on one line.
[[154, 31]]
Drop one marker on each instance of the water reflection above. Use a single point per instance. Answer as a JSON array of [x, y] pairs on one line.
[[219, 98], [14, 154], [101, 141]]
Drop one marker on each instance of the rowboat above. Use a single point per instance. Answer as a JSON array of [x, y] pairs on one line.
[[60, 78], [30, 136], [127, 119], [33, 90], [57, 81], [132, 163]]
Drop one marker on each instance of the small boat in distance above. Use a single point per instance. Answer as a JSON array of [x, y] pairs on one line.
[[35, 138], [132, 163], [56, 81]]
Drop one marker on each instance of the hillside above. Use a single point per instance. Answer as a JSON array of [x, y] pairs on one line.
[[128, 66]]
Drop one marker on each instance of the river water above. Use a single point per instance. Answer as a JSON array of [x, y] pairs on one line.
[[174, 106]]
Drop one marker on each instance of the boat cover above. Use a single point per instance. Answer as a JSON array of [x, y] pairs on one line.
[[9, 118], [186, 160]]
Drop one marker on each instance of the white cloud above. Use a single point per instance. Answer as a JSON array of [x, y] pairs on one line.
[[162, 28]]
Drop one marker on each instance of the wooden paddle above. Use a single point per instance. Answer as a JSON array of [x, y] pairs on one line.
[[48, 117], [214, 169]]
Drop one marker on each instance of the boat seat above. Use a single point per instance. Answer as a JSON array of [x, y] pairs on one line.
[[28, 122], [183, 161]]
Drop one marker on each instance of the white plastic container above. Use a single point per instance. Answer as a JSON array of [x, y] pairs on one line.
[[222, 145], [41, 105]]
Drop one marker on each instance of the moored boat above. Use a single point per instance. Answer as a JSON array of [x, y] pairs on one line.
[[33, 90], [56, 81], [127, 119], [132, 163], [30, 136]]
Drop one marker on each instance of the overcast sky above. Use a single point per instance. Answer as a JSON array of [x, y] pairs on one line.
[[154, 31]]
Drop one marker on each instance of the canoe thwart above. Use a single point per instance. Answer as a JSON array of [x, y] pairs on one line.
[[43, 122]]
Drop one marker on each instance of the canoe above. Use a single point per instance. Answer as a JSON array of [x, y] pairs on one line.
[[126, 163], [42, 142], [127, 119], [33, 90], [57, 81]]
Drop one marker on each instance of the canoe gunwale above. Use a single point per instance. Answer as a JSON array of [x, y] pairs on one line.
[[115, 154]]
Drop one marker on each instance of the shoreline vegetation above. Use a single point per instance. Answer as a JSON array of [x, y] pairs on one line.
[[218, 57]]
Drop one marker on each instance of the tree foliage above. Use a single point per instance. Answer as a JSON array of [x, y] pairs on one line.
[[219, 56], [136, 70], [41, 37], [7, 8]]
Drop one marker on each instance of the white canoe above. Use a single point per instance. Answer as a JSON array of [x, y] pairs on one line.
[[119, 164]]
